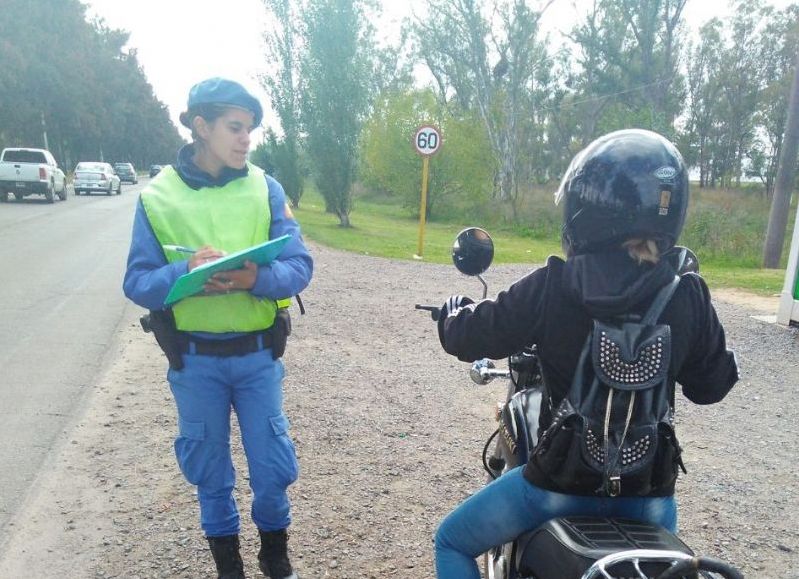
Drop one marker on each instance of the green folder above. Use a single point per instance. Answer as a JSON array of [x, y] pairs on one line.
[[192, 283]]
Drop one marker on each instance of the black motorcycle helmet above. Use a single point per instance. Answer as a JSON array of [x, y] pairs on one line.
[[626, 184]]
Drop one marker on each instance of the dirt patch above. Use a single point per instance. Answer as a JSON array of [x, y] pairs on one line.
[[747, 300], [389, 432]]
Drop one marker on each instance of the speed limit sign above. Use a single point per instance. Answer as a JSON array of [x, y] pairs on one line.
[[427, 140]]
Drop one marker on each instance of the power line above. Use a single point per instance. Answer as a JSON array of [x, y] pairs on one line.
[[602, 97]]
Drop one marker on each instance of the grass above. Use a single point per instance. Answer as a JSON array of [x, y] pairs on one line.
[[727, 243], [386, 230], [767, 282]]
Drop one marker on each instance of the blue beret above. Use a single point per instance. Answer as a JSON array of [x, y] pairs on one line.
[[220, 91]]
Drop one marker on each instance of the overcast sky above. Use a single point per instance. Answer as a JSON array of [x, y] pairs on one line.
[[180, 42]]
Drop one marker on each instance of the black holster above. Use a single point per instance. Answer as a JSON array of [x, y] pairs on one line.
[[162, 325], [281, 331]]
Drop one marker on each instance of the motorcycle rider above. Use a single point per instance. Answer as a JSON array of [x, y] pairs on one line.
[[624, 201]]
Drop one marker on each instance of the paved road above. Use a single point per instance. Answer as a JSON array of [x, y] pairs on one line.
[[61, 267]]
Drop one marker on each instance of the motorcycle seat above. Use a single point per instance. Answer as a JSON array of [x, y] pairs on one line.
[[565, 548]]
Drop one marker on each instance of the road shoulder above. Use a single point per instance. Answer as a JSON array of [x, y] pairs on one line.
[[111, 470]]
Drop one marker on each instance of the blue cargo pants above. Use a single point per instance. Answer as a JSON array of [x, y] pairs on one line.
[[205, 391]]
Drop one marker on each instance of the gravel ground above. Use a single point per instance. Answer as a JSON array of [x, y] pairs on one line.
[[389, 432]]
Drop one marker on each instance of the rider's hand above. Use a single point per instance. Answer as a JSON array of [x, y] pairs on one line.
[[453, 304]]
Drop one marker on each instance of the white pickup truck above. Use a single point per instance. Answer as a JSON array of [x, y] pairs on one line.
[[31, 172]]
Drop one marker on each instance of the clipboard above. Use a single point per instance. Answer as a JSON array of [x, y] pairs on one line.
[[192, 283]]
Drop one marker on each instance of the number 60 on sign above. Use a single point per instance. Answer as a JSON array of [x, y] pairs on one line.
[[427, 140]]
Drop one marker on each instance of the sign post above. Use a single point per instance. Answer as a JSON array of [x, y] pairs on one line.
[[427, 141]]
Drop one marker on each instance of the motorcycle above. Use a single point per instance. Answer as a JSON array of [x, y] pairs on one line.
[[568, 547]]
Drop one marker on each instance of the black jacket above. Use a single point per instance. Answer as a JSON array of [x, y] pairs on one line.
[[553, 307]]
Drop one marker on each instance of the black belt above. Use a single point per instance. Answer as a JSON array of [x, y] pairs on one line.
[[238, 346]]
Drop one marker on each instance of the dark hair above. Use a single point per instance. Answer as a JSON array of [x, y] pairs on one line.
[[208, 111]]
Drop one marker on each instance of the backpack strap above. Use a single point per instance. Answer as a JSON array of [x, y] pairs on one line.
[[659, 303]]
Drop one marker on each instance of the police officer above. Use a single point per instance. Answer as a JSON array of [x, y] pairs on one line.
[[213, 200]]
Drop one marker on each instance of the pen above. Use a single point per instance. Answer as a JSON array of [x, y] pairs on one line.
[[179, 248]]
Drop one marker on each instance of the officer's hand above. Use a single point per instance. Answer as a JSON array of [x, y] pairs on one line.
[[203, 255], [232, 280], [453, 304]]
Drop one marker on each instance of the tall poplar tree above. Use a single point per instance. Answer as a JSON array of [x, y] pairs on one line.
[[282, 86], [336, 88]]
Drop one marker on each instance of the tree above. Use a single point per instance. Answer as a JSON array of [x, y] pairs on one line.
[[336, 91], [777, 45], [460, 173], [628, 54], [738, 84], [741, 86], [655, 27], [704, 91], [78, 79], [490, 67], [563, 120], [284, 164], [778, 218], [262, 157], [282, 51]]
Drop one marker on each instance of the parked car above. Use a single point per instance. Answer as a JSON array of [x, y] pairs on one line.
[[31, 172], [154, 170], [96, 176], [126, 172]]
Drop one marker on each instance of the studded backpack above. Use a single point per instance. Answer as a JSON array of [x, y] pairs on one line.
[[613, 434]]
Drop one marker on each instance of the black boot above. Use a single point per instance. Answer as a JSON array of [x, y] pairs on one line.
[[273, 558], [227, 557]]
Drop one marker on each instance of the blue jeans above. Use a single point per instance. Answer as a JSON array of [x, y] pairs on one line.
[[205, 391], [509, 506]]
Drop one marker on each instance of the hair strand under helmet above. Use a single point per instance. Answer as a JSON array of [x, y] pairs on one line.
[[220, 91], [626, 184]]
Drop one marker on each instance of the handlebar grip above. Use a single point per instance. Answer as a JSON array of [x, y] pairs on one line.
[[435, 311]]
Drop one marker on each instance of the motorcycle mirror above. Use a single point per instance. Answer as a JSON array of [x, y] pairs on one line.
[[473, 251], [684, 260]]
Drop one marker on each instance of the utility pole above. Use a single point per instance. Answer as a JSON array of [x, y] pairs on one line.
[[786, 171]]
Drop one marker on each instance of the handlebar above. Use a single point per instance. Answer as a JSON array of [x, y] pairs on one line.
[[435, 311], [483, 371]]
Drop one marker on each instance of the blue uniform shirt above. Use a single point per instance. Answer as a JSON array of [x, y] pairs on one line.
[[149, 276]]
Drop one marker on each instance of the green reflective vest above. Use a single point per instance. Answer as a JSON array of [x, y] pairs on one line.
[[229, 218]]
